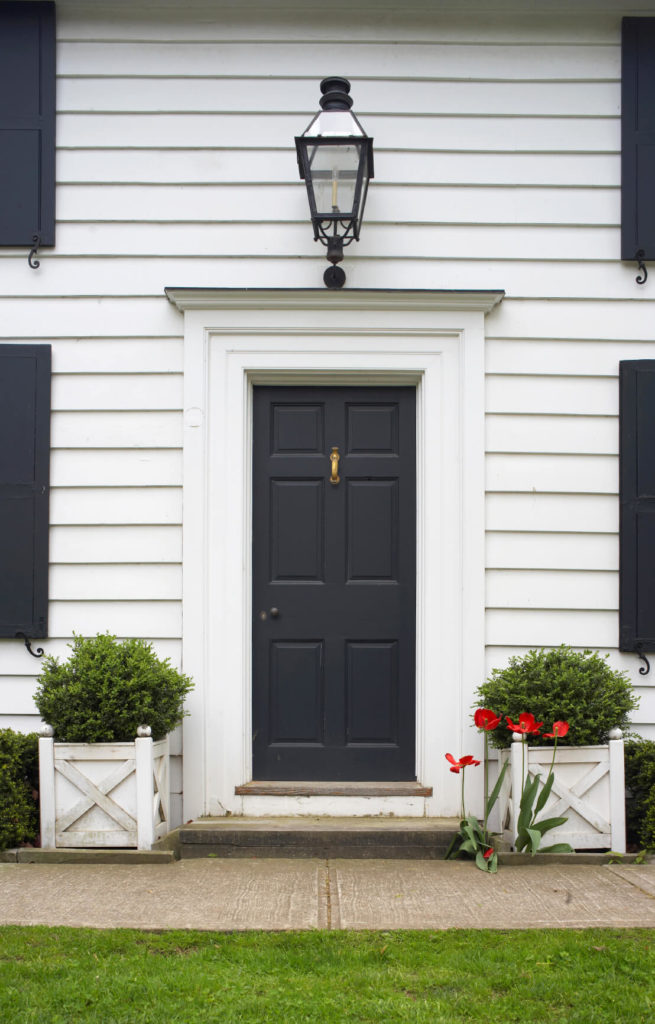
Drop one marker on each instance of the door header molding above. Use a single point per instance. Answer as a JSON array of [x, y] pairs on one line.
[[321, 298]]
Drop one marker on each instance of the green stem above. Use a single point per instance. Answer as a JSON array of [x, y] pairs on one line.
[[522, 765], [463, 811], [552, 763], [486, 782]]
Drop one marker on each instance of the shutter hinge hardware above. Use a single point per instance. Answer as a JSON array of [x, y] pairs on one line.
[[31, 261], [39, 651], [643, 671], [642, 276]]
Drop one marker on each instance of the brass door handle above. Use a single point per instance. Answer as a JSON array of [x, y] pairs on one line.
[[334, 459]]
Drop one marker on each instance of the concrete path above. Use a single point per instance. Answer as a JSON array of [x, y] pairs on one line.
[[218, 894]]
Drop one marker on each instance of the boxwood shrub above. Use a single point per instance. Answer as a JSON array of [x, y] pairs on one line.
[[579, 687], [640, 792], [107, 689], [19, 780]]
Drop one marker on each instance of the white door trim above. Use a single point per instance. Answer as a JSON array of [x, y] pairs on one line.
[[235, 339]]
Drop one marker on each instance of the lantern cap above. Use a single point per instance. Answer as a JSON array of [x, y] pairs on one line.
[[335, 94]]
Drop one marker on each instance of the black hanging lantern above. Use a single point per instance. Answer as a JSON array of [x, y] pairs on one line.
[[335, 158]]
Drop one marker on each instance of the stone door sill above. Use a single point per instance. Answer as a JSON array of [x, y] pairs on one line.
[[276, 788]]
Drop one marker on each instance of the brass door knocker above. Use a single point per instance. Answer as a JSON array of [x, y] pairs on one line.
[[334, 459]]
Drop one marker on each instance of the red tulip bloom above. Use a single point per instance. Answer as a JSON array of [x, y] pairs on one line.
[[559, 729], [526, 724], [463, 762], [487, 853], [487, 720]]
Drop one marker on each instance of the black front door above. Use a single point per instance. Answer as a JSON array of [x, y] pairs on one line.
[[334, 565]]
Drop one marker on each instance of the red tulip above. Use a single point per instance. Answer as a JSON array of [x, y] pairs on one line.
[[463, 762], [526, 724], [559, 729], [487, 853], [487, 720]]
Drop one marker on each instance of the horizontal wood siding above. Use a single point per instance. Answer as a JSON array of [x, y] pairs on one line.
[[497, 166]]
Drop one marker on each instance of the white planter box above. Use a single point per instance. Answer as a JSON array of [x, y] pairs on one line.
[[589, 790], [103, 794]]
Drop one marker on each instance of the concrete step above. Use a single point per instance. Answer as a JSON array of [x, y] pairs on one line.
[[399, 838]]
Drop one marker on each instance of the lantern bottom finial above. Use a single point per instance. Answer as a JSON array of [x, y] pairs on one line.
[[334, 277]]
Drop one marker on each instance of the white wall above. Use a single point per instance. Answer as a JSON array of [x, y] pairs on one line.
[[497, 166]]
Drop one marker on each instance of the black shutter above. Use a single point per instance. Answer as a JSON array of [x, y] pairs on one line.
[[27, 123], [637, 497], [24, 484]]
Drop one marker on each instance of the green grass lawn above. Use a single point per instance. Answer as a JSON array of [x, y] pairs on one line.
[[67, 975]]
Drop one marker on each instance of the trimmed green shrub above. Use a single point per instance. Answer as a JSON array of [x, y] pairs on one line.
[[578, 687], [640, 792], [107, 689], [19, 779]]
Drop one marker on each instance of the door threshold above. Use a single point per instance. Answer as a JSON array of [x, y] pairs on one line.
[[380, 789]]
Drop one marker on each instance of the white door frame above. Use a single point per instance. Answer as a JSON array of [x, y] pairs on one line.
[[237, 338]]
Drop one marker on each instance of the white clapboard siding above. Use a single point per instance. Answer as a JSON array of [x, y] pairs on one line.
[[428, 61], [115, 505], [115, 468], [563, 358], [431, 133], [117, 391], [16, 661], [83, 317], [548, 628], [215, 165], [596, 513], [392, 203], [593, 435], [529, 588], [80, 544], [497, 142], [592, 474], [123, 618], [117, 355], [570, 396], [19, 723], [171, 22], [113, 582], [163, 95], [17, 695], [116, 430], [593, 551], [611, 321], [418, 241], [366, 270]]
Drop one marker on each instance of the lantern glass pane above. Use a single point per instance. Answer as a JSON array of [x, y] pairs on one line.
[[334, 172]]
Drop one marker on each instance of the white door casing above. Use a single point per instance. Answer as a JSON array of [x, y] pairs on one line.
[[237, 338]]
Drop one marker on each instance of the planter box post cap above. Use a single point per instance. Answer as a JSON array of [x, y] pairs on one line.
[[144, 730], [46, 731], [616, 734], [517, 737]]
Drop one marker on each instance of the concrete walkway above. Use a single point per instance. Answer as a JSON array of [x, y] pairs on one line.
[[225, 894]]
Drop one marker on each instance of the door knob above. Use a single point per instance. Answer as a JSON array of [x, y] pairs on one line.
[[272, 613]]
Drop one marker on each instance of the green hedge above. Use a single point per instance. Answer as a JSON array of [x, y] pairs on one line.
[[640, 792], [578, 687], [19, 781]]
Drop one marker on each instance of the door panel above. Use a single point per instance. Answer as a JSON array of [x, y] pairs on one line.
[[334, 583]]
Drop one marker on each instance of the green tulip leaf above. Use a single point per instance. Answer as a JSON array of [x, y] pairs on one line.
[[548, 823], [535, 839], [495, 792], [545, 793]]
